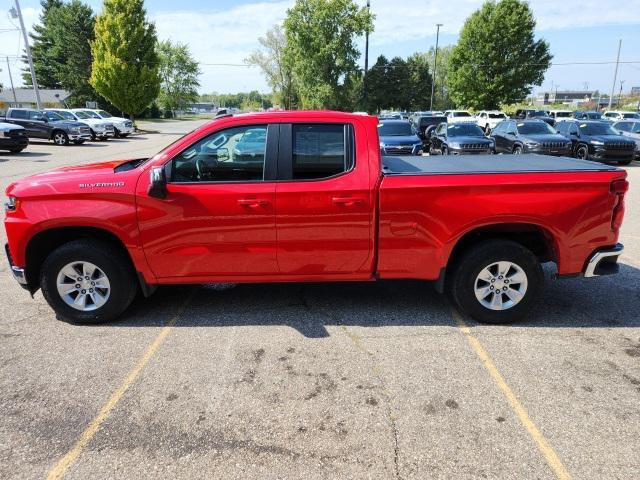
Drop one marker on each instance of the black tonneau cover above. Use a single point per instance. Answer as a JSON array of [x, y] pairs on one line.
[[465, 164]]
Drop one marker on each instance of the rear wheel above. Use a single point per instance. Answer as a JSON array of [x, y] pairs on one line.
[[445, 151], [60, 138], [497, 281], [88, 281], [124, 135], [17, 150]]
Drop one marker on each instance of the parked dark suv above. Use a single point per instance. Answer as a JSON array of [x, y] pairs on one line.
[[587, 115], [529, 136], [48, 126], [460, 139], [596, 140], [530, 113], [425, 124]]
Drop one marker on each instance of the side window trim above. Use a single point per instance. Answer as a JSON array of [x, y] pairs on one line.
[[270, 160], [285, 152]]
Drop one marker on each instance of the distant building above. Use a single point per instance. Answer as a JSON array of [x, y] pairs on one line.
[[635, 90], [26, 98], [567, 97], [202, 107]]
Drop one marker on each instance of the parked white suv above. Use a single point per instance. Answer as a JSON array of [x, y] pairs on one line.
[[614, 116], [123, 126], [488, 119], [559, 115], [100, 129], [459, 116]]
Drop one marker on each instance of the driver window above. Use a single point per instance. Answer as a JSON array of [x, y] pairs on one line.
[[233, 154]]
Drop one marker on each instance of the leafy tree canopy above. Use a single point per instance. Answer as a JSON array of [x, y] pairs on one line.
[[497, 59], [179, 74]]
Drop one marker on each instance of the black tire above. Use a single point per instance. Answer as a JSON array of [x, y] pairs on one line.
[[93, 135], [464, 276], [517, 150], [487, 130], [444, 151], [115, 265], [124, 135], [17, 150], [60, 138], [624, 162], [78, 142], [116, 133], [582, 152]]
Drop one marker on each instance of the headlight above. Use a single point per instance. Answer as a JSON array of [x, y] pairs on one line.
[[596, 142], [74, 129], [531, 144], [454, 145], [11, 205], [382, 145]]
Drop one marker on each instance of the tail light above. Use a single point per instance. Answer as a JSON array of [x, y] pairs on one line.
[[618, 188]]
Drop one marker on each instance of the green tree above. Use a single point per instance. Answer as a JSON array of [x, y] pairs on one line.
[[46, 56], [497, 59], [420, 79], [125, 61], [321, 51], [270, 59], [179, 74]]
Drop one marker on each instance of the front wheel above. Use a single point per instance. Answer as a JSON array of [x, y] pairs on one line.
[[517, 150], [88, 281], [582, 152], [60, 138], [17, 150], [624, 162], [445, 151], [78, 142], [497, 281]]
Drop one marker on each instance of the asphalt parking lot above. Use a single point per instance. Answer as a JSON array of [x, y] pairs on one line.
[[379, 381]]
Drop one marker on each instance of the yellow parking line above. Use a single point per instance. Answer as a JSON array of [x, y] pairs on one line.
[[543, 444], [61, 467]]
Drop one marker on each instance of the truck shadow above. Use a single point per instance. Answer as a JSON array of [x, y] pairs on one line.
[[605, 302]]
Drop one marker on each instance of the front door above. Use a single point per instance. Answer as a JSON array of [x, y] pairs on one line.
[[324, 202], [218, 219]]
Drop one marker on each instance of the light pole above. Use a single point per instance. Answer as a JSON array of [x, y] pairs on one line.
[[366, 59], [435, 63], [13, 89], [620, 96], [17, 12], [615, 75]]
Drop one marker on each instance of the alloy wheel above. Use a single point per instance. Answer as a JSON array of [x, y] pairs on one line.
[[501, 285], [83, 286]]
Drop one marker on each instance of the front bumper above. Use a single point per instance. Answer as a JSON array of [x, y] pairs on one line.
[[600, 153], [9, 143], [556, 152], [18, 273], [402, 149], [480, 151], [79, 136], [122, 128], [604, 262]]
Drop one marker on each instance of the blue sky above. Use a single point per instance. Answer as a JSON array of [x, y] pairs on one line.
[[226, 31]]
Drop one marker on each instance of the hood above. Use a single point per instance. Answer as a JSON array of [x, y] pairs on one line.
[[71, 180], [610, 138], [400, 139], [543, 137], [470, 139], [4, 127]]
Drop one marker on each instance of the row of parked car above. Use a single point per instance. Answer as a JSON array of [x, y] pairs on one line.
[[450, 134], [61, 126]]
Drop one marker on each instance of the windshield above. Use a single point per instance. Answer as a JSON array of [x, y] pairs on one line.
[[497, 115], [82, 115], [537, 113], [597, 129], [630, 115], [395, 129], [90, 114], [54, 117], [536, 127], [104, 114], [461, 114], [65, 115], [593, 115], [464, 129], [563, 114]]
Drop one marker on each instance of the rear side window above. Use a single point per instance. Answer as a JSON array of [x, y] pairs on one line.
[[320, 150], [21, 114]]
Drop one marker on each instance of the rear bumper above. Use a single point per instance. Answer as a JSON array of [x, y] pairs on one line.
[[604, 262], [7, 143], [18, 273]]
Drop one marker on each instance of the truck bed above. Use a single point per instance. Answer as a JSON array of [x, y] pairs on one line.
[[479, 164]]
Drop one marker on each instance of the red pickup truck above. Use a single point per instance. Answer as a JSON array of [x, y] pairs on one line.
[[306, 196]]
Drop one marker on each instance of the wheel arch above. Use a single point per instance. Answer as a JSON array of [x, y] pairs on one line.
[[46, 241], [538, 239], [55, 130]]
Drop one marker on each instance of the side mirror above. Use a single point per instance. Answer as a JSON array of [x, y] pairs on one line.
[[157, 183]]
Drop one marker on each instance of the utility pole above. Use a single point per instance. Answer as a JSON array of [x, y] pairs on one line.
[[13, 89], [615, 74], [28, 50], [435, 63], [366, 60], [620, 96]]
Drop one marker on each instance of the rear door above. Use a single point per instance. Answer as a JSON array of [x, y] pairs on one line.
[[37, 124], [324, 204]]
